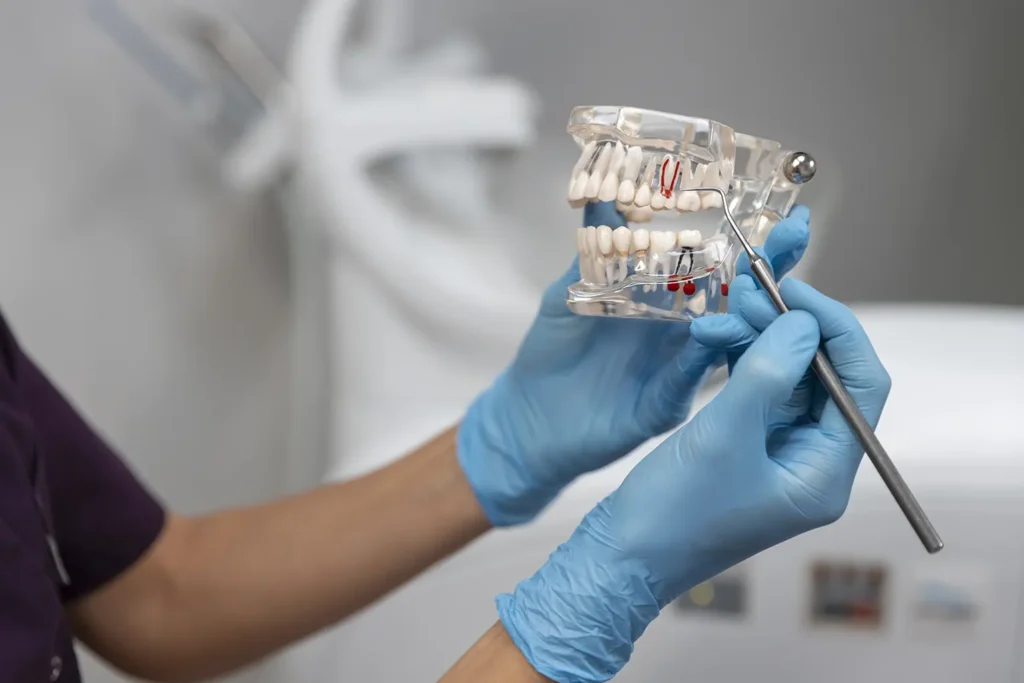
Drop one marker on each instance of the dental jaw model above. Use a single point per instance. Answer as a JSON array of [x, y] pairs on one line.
[[678, 258]]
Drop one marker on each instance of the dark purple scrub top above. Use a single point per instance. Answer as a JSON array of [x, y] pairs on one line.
[[72, 517]]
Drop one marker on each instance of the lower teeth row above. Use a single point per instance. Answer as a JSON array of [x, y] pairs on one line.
[[606, 254]]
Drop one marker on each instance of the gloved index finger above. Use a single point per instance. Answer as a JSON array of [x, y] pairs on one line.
[[786, 245], [850, 352], [837, 322], [603, 213]]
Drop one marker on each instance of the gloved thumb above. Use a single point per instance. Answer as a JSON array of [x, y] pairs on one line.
[[553, 303], [767, 374]]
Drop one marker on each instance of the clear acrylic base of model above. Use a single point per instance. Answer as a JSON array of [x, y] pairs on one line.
[[674, 254]]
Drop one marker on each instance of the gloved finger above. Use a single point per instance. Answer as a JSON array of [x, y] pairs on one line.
[[552, 303], [740, 285], [756, 308], [768, 373], [603, 213], [851, 353], [743, 263], [785, 245], [669, 394], [801, 213], [723, 332], [787, 242]]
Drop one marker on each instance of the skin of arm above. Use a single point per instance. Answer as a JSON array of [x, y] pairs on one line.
[[219, 592], [493, 659]]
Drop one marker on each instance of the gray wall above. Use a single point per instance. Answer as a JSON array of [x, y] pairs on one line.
[[159, 302], [899, 101]]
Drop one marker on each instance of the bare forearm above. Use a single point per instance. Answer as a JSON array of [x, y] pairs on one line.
[[493, 659], [247, 582]]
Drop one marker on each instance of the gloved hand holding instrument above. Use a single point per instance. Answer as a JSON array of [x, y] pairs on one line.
[[771, 457]]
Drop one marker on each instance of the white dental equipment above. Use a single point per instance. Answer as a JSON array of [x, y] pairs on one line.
[[375, 283]]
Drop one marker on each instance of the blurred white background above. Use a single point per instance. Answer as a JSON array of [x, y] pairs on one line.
[[159, 300]]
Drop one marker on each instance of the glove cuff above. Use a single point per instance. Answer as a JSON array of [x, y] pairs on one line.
[[577, 618]]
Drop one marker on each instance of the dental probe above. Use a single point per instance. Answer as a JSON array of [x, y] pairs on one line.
[[799, 169]]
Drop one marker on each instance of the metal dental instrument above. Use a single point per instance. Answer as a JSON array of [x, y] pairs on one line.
[[800, 168]]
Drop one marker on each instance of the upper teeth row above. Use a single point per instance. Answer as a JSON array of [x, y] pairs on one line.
[[603, 240], [611, 171]]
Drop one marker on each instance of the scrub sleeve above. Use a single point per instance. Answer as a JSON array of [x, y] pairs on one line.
[[73, 517]]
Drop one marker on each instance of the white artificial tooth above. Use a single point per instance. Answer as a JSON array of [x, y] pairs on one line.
[[711, 200], [634, 159], [685, 262], [690, 201], [698, 303], [715, 249], [584, 250], [592, 249], [657, 201], [604, 158], [604, 240], [609, 188], [596, 262], [712, 178], [618, 158], [621, 240], [611, 271], [585, 157], [697, 176], [643, 196], [641, 240], [670, 201], [627, 191], [641, 214], [688, 239], [598, 172], [661, 241], [579, 187], [580, 167], [641, 245]]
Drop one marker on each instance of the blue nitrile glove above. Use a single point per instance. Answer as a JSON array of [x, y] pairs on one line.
[[585, 391], [769, 458]]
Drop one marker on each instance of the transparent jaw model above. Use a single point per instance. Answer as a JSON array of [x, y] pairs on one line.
[[672, 178]]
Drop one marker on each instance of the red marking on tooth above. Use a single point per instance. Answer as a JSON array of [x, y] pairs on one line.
[[725, 289], [666, 188], [689, 289], [672, 286]]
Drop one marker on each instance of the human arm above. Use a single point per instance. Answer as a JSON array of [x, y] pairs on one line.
[[219, 592], [494, 659]]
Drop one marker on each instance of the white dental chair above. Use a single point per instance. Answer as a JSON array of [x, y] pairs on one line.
[[404, 299], [418, 327], [951, 425]]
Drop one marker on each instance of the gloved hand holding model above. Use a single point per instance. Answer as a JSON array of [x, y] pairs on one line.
[[585, 391], [769, 458]]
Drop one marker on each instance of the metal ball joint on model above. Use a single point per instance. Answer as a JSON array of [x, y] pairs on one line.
[[657, 166]]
